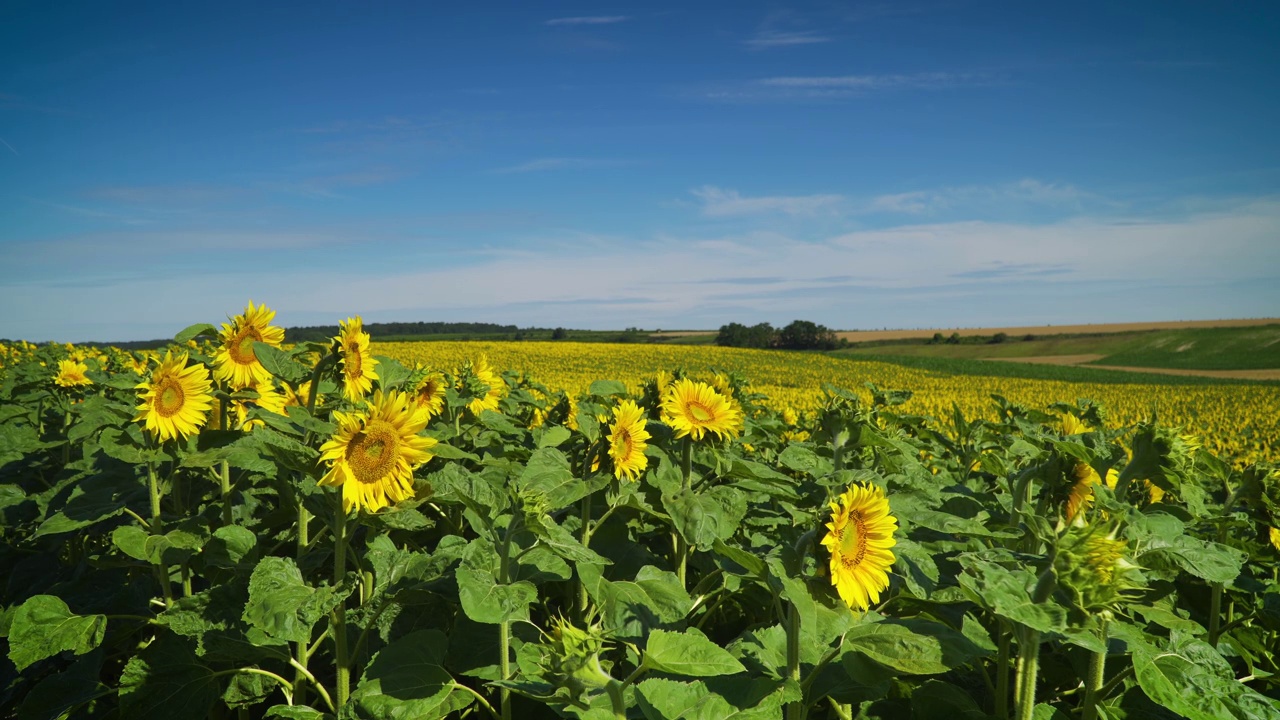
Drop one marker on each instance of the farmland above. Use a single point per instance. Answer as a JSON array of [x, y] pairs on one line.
[[345, 529]]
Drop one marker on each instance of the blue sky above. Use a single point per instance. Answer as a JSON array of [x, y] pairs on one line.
[[596, 165]]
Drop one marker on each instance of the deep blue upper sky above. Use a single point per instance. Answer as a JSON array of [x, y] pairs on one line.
[[899, 164]]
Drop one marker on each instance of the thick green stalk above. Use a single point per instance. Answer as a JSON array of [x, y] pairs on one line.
[[795, 710], [1215, 613], [1029, 651], [585, 513], [1093, 683], [1002, 671], [225, 470], [504, 632], [340, 613], [686, 473], [157, 529]]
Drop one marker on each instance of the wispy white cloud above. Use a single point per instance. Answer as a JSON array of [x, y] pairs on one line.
[[1027, 191], [589, 20], [721, 202], [557, 163], [775, 38], [932, 80]]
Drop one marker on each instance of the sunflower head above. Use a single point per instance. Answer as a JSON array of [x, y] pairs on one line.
[[269, 398], [695, 409], [485, 387], [236, 362], [859, 536], [374, 452], [1083, 478], [176, 398], [1093, 569], [1072, 425], [1273, 535], [628, 441], [71, 374], [359, 369], [429, 393]]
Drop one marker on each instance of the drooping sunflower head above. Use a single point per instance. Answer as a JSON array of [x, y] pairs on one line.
[[71, 374], [236, 362], [373, 453], [1083, 478], [859, 536], [269, 398], [1072, 425], [300, 396], [429, 393], [1091, 566], [359, 369], [695, 408], [485, 386], [176, 398], [628, 440]]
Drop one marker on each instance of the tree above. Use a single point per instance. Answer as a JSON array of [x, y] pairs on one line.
[[559, 334], [738, 335], [805, 335]]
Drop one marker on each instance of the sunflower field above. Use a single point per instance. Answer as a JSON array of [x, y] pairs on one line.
[[234, 528]]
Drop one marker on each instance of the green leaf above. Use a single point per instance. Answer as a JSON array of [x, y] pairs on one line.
[[44, 626], [56, 695], [607, 387], [805, 461], [1192, 680], [486, 601], [689, 653], [280, 363], [915, 647], [230, 546], [548, 473], [1008, 594], [391, 373], [703, 518], [192, 332], [553, 436], [282, 605], [407, 679], [1205, 559], [167, 681]]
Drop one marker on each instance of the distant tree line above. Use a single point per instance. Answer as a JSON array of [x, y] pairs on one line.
[[798, 335], [320, 333]]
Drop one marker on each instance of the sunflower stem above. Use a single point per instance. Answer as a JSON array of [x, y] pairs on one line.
[[795, 710], [686, 473], [1093, 682], [157, 529], [1030, 655], [504, 629], [340, 612], [1215, 612], [585, 512], [1002, 672], [225, 470]]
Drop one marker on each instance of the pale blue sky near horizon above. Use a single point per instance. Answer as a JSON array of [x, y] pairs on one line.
[[658, 165]]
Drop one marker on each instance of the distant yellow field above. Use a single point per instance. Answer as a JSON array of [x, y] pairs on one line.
[[1238, 420]]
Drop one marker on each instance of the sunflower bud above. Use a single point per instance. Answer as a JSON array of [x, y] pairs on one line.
[[572, 660], [1093, 570]]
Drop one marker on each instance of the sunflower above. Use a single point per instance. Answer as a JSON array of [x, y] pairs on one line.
[[696, 408], [1072, 425], [1274, 536], [71, 374], [177, 398], [269, 398], [373, 453], [236, 362], [860, 535], [1081, 496], [429, 393], [494, 387], [299, 398], [138, 364], [627, 441], [358, 366]]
